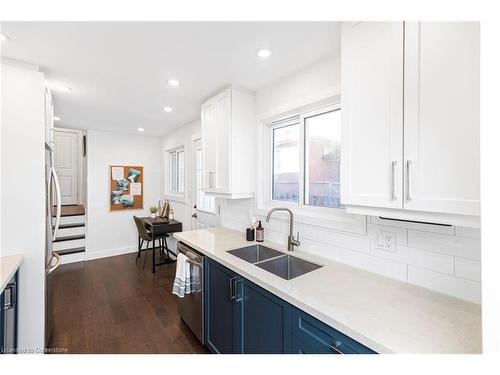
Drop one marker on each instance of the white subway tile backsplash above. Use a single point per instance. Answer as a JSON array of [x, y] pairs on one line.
[[374, 264], [275, 236], [468, 232], [468, 269], [444, 229], [320, 249], [442, 258], [306, 231], [274, 225], [455, 286], [347, 241], [421, 258], [441, 243], [401, 233]]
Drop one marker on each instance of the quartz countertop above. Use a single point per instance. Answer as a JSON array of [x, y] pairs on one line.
[[386, 315], [8, 267]]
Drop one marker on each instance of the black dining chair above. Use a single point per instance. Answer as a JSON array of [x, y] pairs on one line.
[[145, 235]]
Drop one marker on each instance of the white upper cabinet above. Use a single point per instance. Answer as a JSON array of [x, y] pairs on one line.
[[441, 124], [372, 113], [410, 120], [228, 137]]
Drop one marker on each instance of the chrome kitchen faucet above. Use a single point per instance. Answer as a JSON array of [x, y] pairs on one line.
[[292, 242]]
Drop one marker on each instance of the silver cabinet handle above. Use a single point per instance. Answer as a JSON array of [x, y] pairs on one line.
[[394, 195], [408, 195], [12, 289], [231, 288], [334, 349]]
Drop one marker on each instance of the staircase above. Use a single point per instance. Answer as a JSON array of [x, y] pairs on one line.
[[71, 234]]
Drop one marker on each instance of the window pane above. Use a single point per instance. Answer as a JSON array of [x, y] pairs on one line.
[[173, 171], [322, 165], [180, 171], [286, 163]]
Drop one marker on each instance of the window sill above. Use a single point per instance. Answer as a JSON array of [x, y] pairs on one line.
[[336, 219], [181, 198]]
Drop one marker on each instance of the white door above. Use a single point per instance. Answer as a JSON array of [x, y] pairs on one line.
[[441, 125], [204, 207], [372, 114], [66, 164]]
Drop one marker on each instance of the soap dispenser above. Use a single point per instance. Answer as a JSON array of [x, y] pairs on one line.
[[259, 232]]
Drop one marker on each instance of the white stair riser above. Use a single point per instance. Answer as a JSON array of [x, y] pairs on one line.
[[70, 219], [62, 232], [63, 245]]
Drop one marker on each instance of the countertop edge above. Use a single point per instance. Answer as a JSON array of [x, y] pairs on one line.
[[9, 265]]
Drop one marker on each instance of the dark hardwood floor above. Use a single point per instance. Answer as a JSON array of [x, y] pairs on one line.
[[112, 305]]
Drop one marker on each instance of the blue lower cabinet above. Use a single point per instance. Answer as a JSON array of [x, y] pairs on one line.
[[241, 317], [266, 322], [311, 336], [8, 317], [223, 313]]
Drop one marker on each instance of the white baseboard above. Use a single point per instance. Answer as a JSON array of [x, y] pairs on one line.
[[91, 255]]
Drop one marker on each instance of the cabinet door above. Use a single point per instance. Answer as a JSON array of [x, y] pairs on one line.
[[266, 322], [372, 114], [222, 311], [311, 336], [441, 109], [208, 144], [222, 133]]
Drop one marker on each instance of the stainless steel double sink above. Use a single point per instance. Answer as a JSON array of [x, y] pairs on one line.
[[285, 266]]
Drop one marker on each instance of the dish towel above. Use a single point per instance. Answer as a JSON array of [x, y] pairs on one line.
[[182, 282]]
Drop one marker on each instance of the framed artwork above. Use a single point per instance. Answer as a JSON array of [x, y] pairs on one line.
[[126, 187]]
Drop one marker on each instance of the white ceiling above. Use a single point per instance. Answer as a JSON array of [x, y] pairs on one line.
[[118, 70]]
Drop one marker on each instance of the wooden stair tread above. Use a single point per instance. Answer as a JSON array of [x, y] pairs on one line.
[[73, 250], [70, 238]]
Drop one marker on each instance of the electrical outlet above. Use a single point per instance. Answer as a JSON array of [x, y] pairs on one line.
[[386, 240]]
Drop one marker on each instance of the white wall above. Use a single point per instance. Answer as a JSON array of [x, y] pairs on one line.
[[183, 136], [312, 84], [112, 233], [23, 194]]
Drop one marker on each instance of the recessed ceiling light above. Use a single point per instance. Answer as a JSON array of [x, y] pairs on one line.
[[167, 109], [140, 129], [173, 82], [56, 118], [263, 53], [3, 37]]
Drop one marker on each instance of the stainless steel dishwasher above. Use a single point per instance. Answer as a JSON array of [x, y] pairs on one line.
[[192, 305]]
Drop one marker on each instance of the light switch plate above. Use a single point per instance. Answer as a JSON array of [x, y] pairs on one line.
[[386, 240]]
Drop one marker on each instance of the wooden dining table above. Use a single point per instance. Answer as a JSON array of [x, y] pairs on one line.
[[160, 227]]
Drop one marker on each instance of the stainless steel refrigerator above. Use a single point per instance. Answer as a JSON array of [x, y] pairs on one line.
[[52, 259]]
